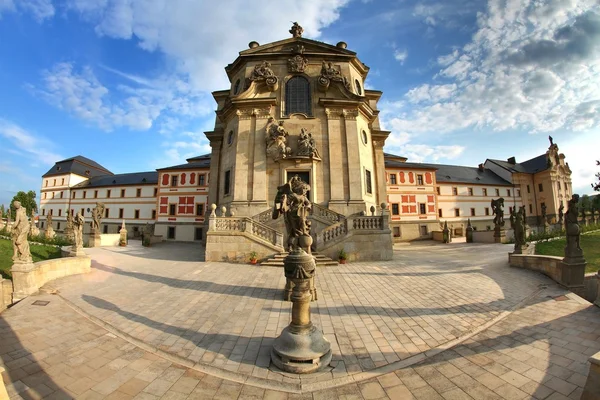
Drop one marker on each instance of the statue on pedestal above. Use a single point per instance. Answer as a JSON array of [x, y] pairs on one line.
[[573, 250], [97, 214], [292, 203], [307, 146], [561, 213], [21, 253], [78, 223], [277, 140], [517, 220], [49, 229], [498, 211]]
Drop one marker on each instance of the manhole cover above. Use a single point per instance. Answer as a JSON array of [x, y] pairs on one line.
[[561, 298], [40, 303]]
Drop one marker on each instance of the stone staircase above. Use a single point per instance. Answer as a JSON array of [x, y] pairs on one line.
[[277, 260]]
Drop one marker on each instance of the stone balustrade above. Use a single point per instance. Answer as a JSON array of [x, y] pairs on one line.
[[264, 217], [368, 223], [333, 233], [326, 214], [568, 275]]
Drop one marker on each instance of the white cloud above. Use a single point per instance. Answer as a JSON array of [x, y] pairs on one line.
[[137, 104], [192, 34], [39, 9], [532, 66], [36, 147], [400, 55]]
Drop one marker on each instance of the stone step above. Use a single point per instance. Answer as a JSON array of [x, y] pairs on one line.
[[277, 260]]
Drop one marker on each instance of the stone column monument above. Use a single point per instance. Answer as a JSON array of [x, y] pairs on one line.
[[446, 237], [301, 348], [573, 264], [77, 248], [498, 211], [49, 229], [469, 231], [22, 261], [97, 214], [519, 226]]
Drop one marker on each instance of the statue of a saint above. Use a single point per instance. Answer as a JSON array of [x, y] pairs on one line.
[[78, 223], [498, 211], [49, 221], [572, 227], [296, 30], [19, 234], [277, 140], [291, 202], [97, 214], [519, 226], [307, 146], [561, 213]]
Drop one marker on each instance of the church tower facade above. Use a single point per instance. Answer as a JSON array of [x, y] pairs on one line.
[[297, 107]]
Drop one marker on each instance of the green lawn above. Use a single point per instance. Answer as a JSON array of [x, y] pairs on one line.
[[590, 243], [38, 253]]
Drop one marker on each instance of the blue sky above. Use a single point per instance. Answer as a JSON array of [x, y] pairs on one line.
[[127, 82]]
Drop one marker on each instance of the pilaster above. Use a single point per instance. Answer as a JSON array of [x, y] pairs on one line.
[[336, 183]]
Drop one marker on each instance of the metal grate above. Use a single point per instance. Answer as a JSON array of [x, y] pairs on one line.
[[40, 303]]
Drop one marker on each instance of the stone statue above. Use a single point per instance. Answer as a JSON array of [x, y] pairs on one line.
[[69, 221], [19, 234], [261, 71], [49, 221], [544, 210], [551, 141], [148, 230], [519, 226], [307, 146], [8, 216], [298, 62], [97, 214], [33, 229], [498, 211], [329, 73], [78, 223], [572, 250], [296, 30], [561, 213], [292, 203], [277, 147]]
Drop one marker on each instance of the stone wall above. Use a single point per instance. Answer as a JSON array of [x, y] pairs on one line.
[[363, 246], [28, 278], [591, 283], [236, 246], [569, 276]]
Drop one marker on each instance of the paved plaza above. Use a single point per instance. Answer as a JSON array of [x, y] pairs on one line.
[[436, 322]]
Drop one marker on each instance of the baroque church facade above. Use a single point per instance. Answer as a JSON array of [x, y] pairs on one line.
[[298, 107]]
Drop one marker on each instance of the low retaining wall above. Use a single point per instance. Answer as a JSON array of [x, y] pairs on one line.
[[6, 291], [591, 390], [570, 276], [483, 237], [591, 283], [437, 236], [28, 278]]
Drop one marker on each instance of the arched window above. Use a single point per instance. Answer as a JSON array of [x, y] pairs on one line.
[[297, 96]]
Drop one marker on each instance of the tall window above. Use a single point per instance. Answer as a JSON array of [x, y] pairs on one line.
[[227, 183], [120, 213], [138, 192], [297, 96], [172, 209], [122, 192], [201, 180], [541, 187], [454, 191], [200, 209], [497, 192], [528, 189], [484, 191], [174, 180], [392, 179], [508, 192], [440, 212], [419, 179], [457, 212], [368, 181], [422, 208], [108, 193], [395, 209], [472, 212], [106, 212], [470, 191], [136, 214], [487, 211]]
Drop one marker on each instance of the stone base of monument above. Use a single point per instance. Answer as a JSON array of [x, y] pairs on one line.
[[521, 249], [77, 252], [289, 288], [499, 235], [94, 239], [23, 280], [301, 348], [301, 352], [573, 274]]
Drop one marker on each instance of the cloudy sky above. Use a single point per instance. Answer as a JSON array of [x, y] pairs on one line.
[[127, 82]]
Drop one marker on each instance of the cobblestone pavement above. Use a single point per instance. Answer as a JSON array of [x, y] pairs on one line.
[[193, 330]]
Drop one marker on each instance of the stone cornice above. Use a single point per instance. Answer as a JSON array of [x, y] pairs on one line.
[[246, 108], [379, 137]]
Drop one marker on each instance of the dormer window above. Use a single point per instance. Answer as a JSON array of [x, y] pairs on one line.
[[297, 96]]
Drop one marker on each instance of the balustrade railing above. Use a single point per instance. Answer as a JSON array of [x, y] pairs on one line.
[[264, 217], [248, 225], [334, 232], [367, 223], [326, 213]]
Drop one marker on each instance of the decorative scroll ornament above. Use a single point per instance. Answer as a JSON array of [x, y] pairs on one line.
[[263, 73], [296, 30], [277, 147], [298, 62], [307, 147], [330, 74]]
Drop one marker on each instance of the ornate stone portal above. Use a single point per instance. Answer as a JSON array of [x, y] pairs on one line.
[[301, 348]]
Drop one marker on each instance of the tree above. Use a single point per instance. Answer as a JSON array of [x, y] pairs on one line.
[[2, 209], [596, 186], [585, 203], [27, 201]]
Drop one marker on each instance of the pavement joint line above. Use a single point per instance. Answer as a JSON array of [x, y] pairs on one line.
[[300, 387]]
